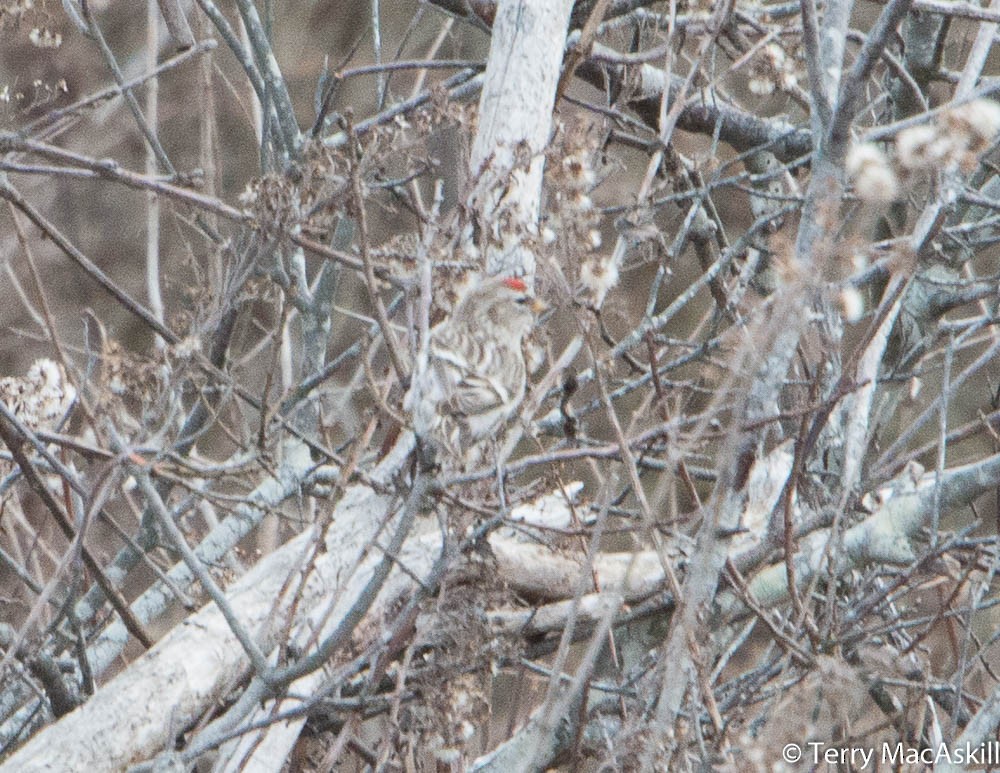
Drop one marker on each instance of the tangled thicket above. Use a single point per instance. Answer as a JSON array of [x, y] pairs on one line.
[[748, 500]]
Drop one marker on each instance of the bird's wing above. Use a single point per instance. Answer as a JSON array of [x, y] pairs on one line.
[[475, 395], [471, 384], [464, 390]]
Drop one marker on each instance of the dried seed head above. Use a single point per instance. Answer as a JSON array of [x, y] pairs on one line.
[[874, 179]]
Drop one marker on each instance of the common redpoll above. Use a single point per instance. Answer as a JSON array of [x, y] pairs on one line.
[[475, 375]]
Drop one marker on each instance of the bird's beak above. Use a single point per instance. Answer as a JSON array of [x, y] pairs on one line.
[[538, 306]]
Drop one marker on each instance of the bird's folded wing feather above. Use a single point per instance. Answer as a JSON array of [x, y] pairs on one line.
[[475, 395]]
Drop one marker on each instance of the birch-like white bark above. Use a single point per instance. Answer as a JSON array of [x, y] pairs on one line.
[[130, 718], [515, 123]]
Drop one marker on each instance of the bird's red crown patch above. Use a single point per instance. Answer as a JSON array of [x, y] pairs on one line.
[[515, 283]]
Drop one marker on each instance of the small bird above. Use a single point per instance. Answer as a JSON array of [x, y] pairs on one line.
[[476, 376]]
